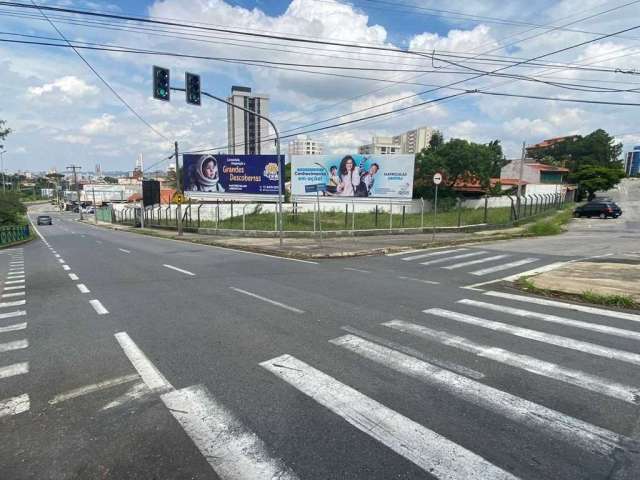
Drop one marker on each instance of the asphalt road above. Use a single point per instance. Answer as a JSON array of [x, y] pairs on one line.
[[124, 356]]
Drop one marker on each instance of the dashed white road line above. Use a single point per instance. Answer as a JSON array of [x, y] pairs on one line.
[[56, 255], [268, 300], [186, 272], [13, 328], [11, 276], [83, 288], [356, 270], [15, 272], [15, 303], [9, 282], [94, 387], [15, 294], [13, 370], [61, 260], [14, 405], [66, 267], [124, 250], [73, 276], [98, 307], [429, 450], [428, 282], [14, 287], [15, 345], [17, 313]]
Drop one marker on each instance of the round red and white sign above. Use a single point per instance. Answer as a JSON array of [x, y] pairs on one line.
[[437, 178]]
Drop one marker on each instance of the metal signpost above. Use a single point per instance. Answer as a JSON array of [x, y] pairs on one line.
[[318, 187], [437, 179]]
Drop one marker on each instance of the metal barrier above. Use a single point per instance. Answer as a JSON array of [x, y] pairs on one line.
[[13, 233]]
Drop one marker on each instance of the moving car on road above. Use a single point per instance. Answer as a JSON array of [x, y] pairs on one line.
[[602, 209], [44, 220]]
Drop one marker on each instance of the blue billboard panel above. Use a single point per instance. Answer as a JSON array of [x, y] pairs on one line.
[[373, 176], [229, 175]]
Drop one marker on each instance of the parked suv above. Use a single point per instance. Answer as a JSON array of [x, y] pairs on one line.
[[598, 209]]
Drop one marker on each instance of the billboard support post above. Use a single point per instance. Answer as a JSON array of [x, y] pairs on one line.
[[390, 216], [421, 214], [319, 220], [435, 214], [178, 189], [95, 207]]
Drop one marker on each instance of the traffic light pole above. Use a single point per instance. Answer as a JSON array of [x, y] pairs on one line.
[[179, 190], [275, 129]]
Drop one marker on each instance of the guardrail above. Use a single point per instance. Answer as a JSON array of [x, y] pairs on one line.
[[13, 233]]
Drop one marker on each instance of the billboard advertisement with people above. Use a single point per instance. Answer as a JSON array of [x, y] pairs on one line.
[[230, 175], [359, 176]]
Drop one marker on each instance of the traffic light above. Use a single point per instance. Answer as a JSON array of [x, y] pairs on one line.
[[192, 88], [161, 89]]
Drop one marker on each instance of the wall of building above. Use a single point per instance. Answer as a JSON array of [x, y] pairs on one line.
[[512, 170]]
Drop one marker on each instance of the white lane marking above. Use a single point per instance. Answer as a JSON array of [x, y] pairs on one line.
[[268, 300], [15, 294], [57, 256], [535, 271], [429, 282], [455, 257], [147, 370], [557, 340], [98, 307], [15, 287], [61, 260], [517, 409], [124, 250], [66, 267], [17, 263], [467, 372], [356, 270], [475, 262], [83, 288], [234, 452], [12, 304], [15, 345], [94, 387], [504, 266], [432, 254], [9, 282], [14, 277], [13, 328], [137, 391], [430, 451], [186, 272], [17, 313], [404, 252], [13, 370], [626, 393], [14, 405], [73, 276], [595, 327], [99, 242], [569, 306], [15, 272]]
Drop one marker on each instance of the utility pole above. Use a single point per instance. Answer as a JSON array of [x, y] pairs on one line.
[[75, 181], [520, 181], [178, 189], [95, 207], [4, 186], [142, 187]]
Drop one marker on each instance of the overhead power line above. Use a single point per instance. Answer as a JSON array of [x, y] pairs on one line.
[[97, 74]]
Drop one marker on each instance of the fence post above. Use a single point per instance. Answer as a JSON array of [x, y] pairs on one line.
[[346, 214], [275, 219], [524, 197], [403, 212], [390, 216], [512, 210], [486, 209], [459, 205], [353, 216], [217, 214], [376, 222], [421, 214]]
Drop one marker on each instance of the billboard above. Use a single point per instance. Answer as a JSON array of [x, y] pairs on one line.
[[372, 176], [230, 175]]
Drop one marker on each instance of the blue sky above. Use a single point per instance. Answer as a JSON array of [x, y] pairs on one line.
[[61, 113]]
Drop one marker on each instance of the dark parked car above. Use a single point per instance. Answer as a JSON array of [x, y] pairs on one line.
[[44, 220], [598, 209]]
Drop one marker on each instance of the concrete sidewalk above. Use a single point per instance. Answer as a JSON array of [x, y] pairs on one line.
[[306, 248], [604, 278]]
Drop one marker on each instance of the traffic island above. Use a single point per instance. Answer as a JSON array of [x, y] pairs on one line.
[[611, 283]]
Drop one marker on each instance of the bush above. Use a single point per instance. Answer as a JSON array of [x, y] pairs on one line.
[[12, 209], [544, 228], [612, 300]]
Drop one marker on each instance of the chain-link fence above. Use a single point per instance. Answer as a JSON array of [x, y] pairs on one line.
[[341, 217]]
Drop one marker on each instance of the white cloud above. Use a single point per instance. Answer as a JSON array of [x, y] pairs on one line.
[[479, 38], [70, 87], [73, 139], [98, 125]]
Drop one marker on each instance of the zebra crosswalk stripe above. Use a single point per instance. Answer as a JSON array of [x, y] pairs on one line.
[[504, 266], [475, 262], [455, 257], [432, 254], [429, 450], [626, 393]]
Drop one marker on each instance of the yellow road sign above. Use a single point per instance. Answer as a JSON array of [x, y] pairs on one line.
[[178, 198]]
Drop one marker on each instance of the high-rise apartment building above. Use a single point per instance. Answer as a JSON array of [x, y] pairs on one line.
[[412, 141], [246, 131], [305, 146], [632, 162]]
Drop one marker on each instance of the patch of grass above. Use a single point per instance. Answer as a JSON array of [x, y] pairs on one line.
[[612, 300], [527, 284], [552, 225]]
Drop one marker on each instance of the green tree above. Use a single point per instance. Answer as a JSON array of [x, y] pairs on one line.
[[171, 178], [110, 180], [597, 149], [457, 160], [592, 179], [437, 139], [11, 209], [4, 132]]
